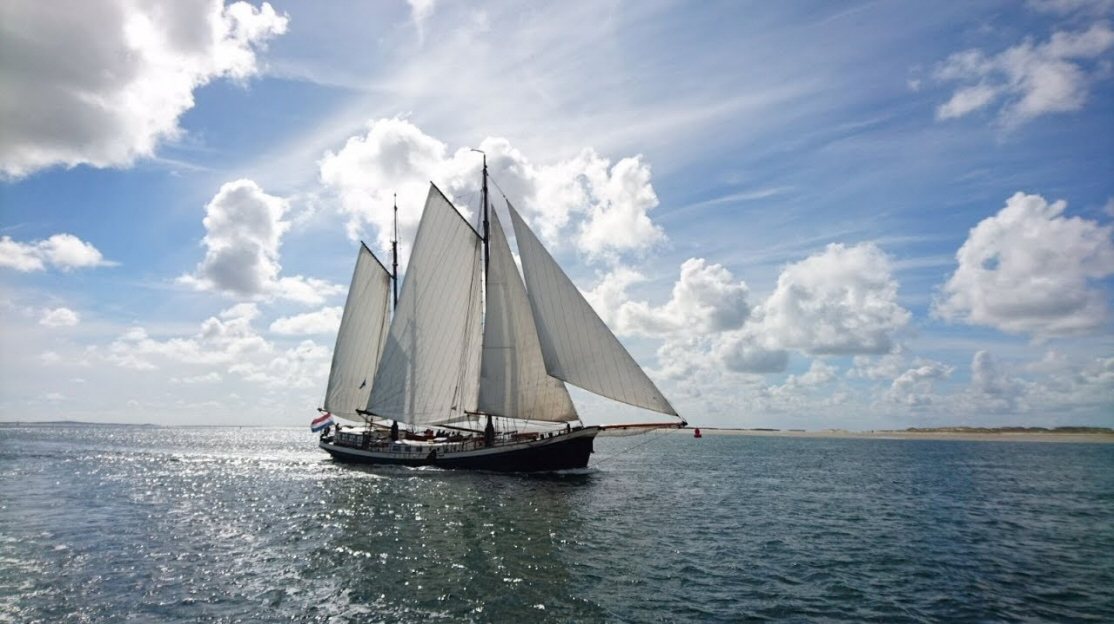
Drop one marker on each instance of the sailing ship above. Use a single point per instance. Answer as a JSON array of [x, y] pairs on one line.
[[470, 371]]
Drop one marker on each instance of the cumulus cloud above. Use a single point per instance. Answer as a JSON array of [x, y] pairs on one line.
[[915, 386], [602, 208], [225, 338], [323, 321], [1031, 270], [705, 299], [244, 232], [818, 373], [748, 351], [62, 251], [228, 341], [1029, 79], [304, 366], [103, 82], [842, 300], [60, 317]]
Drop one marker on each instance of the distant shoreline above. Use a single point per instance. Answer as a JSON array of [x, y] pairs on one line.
[[975, 434]]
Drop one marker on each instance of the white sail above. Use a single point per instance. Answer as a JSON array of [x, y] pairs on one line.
[[577, 345], [513, 379], [360, 338], [429, 372]]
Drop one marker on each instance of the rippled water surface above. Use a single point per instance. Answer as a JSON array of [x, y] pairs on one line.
[[131, 524]]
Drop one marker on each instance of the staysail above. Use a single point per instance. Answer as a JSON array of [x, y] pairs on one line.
[[429, 372], [513, 379], [576, 344], [360, 338]]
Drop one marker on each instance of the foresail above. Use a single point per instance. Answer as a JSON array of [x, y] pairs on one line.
[[429, 372], [513, 379], [360, 339], [576, 344]]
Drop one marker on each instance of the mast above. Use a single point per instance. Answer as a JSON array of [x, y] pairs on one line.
[[487, 233], [394, 260]]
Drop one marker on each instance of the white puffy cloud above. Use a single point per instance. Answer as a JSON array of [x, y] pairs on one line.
[[225, 338], [304, 366], [842, 300], [226, 343], [1029, 269], [102, 82], [915, 386], [1031, 79], [323, 321], [705, 299], [62, 251], [818, 373], [748, 351], [992, 388], [60, 317], [244, 231], [601, 207], [888, 366]]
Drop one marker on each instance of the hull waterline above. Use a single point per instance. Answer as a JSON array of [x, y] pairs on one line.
[[567, 451]]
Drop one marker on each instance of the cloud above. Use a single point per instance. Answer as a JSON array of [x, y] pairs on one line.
[[60, 317], [222, 339], [749, 352], [208, 378], [304, 366], [705, 299], [62, 251], [840, 301], [420, 11], [244, 232], [104, 82], [1030, 270], [323, 321], [1030, 79], [818, 373], [915, 385], [602, 208]]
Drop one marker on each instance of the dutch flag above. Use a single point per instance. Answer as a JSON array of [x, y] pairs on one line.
[[322, 421]]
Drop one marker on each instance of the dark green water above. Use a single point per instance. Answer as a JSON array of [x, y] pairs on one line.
[[124, 524]]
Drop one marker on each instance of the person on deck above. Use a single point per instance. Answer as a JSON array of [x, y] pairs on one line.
[[489, 433], [394, 431]]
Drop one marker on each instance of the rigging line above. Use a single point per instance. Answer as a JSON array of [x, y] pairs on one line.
[[653, 438]]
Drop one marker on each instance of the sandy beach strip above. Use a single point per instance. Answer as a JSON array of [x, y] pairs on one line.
[[1010, 436]]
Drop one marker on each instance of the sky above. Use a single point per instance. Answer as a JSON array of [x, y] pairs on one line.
[[814, 215]]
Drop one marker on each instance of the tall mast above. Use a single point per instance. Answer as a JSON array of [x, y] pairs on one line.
[[487, 234], [394, 260]]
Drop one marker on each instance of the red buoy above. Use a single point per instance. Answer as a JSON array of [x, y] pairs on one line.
[[696, 433]]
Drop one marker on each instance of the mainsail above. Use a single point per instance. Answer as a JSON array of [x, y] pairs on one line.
[[576, 344], [513, 379], [360, 337], [429, 372]]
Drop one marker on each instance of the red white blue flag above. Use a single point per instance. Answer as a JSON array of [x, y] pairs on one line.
[[322, 421]]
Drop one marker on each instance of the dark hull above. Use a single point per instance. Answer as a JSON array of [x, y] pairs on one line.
[[563, 452]]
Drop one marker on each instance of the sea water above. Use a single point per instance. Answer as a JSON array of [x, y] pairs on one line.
[[148, 524]]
